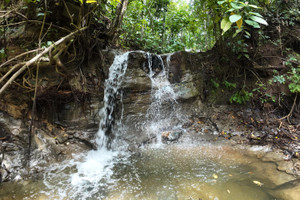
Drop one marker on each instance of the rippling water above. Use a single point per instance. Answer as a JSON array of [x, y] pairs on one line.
[[168, 172]]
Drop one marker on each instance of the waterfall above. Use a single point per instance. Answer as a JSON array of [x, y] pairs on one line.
[[161, 112], [92, 173], [98, 164], [111, 92]]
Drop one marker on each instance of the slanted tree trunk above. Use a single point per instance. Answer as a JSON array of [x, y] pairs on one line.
[[120, 11]]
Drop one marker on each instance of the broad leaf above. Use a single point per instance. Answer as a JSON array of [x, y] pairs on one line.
[[252, 23], [225, 25], [230, 10], [259, 20], [234, 18], [239, 23], [255, 13], [236, 6], [237, 32], [253, 6]]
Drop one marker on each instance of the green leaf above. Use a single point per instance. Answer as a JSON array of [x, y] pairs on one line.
[[230, 10], [279, 78], [236, 6], [221, 2], [225, 25], [253, 6], [247, 56], [255, 13], [259, 20], [234, 18], [237, 32], [40, 14], [252, 23], [294, 88], [248, 33]]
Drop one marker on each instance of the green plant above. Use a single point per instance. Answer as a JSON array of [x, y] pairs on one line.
[[229, 86], [294, 78], [263, 94], [237, 12], [278, 79], [241, 97], [2, 54], [215, 84]]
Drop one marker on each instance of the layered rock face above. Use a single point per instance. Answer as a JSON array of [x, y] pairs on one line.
[[66, 127]]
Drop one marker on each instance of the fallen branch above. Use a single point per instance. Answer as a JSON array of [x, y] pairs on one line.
[[11, 70], [34, 59], [18, 56]]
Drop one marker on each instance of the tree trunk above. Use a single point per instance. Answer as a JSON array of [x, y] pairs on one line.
[[121, 9]]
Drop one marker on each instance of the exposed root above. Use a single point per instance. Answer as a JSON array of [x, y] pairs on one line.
[[37, 57], [11, 70], [291, 111], [18, 56]]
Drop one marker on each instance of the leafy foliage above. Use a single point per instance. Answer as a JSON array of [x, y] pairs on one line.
[[237, 12], [294, 77], [241, 97], [164, 26], [230, 86]]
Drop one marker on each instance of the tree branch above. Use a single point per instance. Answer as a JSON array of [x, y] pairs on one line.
[[34, 59], [18, 56]]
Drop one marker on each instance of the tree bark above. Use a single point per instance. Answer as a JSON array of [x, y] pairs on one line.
[[120, 11]]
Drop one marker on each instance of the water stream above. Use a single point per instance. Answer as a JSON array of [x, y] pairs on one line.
[[163, 112], [180, 171]]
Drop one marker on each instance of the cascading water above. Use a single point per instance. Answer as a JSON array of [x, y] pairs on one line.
[[92, 173], [161, 114], [99, 163], [179, 171], [108, 112]]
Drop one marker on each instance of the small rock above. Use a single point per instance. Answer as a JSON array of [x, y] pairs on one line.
[[257, 135], [171, 136], [297, 167], [132, 148], [3, 175], [285, 166], [62, 138], [273, 157]]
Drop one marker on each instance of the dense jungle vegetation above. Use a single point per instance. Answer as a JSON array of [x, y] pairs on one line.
[[260, 38]]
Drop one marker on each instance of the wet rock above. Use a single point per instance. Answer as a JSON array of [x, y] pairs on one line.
[[4, 132], [137, 59], [297, 167], [273, 156], [257, 135], [133, 148], [62, 138], [289, 190], [171, 136], [136, 80], [285, 166], [15, 109], [186, 91]]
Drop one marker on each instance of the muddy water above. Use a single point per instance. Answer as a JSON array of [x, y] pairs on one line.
[[168, 172]]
